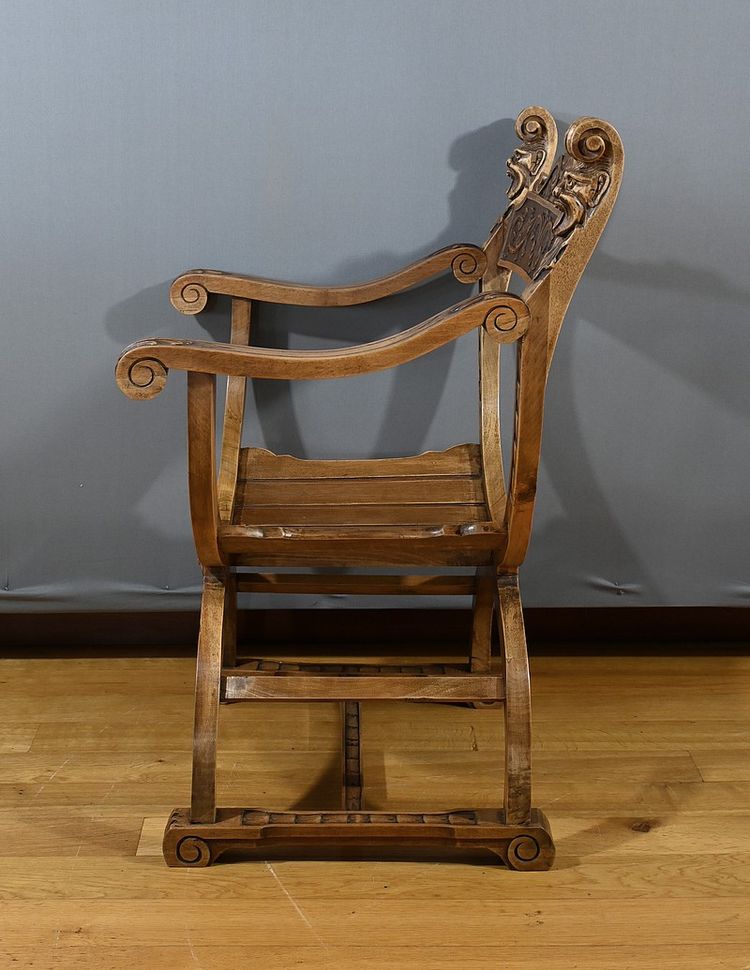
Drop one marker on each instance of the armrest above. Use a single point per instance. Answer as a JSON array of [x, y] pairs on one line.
[[189, 292], [142, 369]]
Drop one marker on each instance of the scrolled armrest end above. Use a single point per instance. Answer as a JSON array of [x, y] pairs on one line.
[[469, 264], [508, 319], [139, 374], [187, 295]]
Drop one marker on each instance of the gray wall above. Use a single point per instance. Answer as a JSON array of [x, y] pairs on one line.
[[328, 142]]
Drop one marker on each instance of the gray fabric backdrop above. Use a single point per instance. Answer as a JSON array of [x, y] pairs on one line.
[[330, 141]]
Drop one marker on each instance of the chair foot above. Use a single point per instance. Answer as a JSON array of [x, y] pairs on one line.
[[523, 847]]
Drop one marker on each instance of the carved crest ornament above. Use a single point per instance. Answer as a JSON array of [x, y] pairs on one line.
[[549, 200]]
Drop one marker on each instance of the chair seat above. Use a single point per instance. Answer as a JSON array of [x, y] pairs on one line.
[[359, 512]]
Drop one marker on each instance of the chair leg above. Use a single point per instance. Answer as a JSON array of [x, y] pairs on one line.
[[229, 636], [517, 702], [351, 756], [517, 834], [216, 596], [483, 609]]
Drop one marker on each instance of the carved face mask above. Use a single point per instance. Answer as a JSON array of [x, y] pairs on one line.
[[578, 193], [523, 167]]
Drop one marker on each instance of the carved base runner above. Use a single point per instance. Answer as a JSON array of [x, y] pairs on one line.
[[199, 844]]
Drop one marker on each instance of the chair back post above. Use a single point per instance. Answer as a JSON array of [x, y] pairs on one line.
[[557, 212]]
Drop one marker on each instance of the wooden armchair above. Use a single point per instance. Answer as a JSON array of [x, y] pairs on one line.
[[438, 509]]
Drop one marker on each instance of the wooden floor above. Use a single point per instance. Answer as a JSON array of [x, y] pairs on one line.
[[642, 764]]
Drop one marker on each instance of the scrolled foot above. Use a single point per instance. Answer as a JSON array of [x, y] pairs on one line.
[[530, 850], [523, 852], [192, 851]]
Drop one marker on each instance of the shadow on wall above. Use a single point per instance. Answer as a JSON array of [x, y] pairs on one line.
[[475, 201], [657, 310], [665, 300]]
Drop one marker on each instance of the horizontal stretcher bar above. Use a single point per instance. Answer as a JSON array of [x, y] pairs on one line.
[[261, 685], [353, 585]]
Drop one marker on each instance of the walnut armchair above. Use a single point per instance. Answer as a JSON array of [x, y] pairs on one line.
[[452, 508]]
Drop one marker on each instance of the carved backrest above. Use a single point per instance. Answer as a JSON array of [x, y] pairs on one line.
[[551, 199], [558, 209]]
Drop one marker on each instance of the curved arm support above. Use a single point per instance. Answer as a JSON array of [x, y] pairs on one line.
[[517, 701], [189, 293], [141, 371], [534, 356]]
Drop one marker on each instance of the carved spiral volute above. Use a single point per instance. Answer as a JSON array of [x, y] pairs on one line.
[[587, 141], [534, 125], [188, 296], [140, 376], [508, 320], [192, 851], [523, 851], [469, 265]]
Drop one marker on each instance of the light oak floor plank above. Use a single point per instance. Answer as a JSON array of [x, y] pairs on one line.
[[642, 764]]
